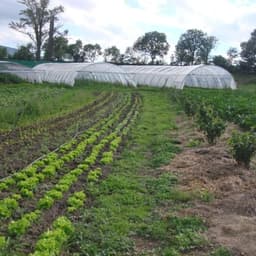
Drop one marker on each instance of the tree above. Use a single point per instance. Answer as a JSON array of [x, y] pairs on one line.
[[24, 52], [208, 44], [52, 32], [130, 56], [33, 21], [60, 47], [76, 50], [152, 44], [232, 54], [3, 52], [91, 52], [111, 54], [248, 53], [219, 60], [194, 47]]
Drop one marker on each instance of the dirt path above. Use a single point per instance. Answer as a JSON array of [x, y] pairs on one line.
[[231, 216]]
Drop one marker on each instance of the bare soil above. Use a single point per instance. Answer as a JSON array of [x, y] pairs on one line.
[[231, 216]]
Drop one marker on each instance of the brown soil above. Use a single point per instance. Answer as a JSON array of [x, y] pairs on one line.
[[231, 216]]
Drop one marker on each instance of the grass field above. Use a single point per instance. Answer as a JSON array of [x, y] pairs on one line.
[[83, 171]]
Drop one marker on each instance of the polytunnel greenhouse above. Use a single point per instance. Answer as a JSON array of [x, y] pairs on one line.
[[19, 70], [204, 76], [67, 73]]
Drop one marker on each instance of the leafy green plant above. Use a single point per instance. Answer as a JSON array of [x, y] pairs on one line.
[[189, 107], [26, 193], [93, 176], [193, 143], [243, 147], [76, 201], [55, 194], [107, 157], [7, 206], [3, 242], [210, 123], [46, 202], [222, 251], [51, 242]]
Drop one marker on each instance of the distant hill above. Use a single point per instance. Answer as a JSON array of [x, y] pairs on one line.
[[10, 50]]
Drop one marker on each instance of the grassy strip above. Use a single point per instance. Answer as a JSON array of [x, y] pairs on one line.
[[127, 201], [24, 104]]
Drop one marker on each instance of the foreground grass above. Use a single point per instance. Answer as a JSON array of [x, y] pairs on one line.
[[23, 104], [126, 213]]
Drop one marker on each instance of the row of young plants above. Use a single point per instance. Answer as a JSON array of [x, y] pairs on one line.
[[26, 181], [55, 159], [211, 114], [235, 106], [30, 132], [43, 246], [19, 227], [25, 143]]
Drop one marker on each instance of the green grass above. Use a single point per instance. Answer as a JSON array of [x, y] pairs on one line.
[[137, 200], [128, 202], [23, 104], [243, 80]]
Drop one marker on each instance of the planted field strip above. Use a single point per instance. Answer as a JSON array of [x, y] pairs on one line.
[[5, 182], [235, 106], [26, 148], [25, 181], [103, 139], [110, 144]]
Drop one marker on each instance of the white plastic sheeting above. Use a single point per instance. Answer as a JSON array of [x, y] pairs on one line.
[[19, 70], [204, 76], [67, 73]]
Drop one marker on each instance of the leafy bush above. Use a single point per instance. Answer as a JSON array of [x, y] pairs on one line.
[[189, 107], [210, 123], [243, 146]]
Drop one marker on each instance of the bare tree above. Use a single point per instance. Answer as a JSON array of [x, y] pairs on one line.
[[34, 20]]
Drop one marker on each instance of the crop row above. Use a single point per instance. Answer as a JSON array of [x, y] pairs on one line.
[[234, 106], [19, 227], [43, 246], [27, 180]]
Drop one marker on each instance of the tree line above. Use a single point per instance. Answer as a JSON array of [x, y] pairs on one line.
[[40, 24]]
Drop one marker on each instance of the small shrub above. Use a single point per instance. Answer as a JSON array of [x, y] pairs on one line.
[[189, 107], [210, 123], [243, 146]]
